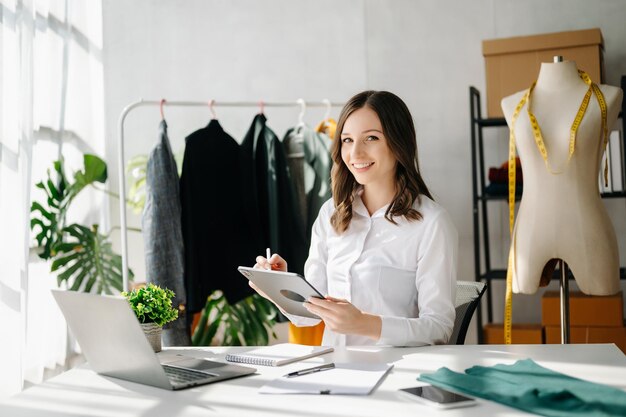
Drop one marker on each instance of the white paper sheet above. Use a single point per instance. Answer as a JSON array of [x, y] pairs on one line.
[[345, 378]]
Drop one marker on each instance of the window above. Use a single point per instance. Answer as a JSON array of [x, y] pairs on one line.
[[51, 92]]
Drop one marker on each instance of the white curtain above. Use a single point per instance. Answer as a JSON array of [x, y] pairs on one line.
[[52, 106]]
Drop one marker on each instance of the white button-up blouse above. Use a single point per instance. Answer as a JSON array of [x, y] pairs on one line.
[[404, 272]]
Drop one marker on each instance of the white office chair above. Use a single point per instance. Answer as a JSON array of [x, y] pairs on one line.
[[468, 294]]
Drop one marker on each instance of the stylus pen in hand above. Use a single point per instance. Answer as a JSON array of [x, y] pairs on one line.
[[307, 371], [268, 255]]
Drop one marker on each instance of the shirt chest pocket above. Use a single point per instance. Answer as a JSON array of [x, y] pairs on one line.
[[397, 288]]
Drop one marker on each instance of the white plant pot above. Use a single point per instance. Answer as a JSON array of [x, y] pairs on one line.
[[153, 333]]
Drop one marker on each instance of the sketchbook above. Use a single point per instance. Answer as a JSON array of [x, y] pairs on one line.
[[344, 379], [277, 355]]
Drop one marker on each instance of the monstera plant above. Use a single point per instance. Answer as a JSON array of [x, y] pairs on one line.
[[246, 322], [82, 256]]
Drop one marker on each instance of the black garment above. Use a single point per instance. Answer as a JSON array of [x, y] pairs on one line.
[[270, 197], [253, 163], [293, 142], [216, 238]]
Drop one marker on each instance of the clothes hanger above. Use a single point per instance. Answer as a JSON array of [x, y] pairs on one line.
[[163, 101], [328, 124], [261, 107], [212, 109], [302, 104], [328, 109]]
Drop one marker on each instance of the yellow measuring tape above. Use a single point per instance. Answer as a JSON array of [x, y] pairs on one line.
[[593, 88]]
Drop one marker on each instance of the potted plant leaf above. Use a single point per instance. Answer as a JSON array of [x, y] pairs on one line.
[[81, 255], [248, 322], [153, 307]]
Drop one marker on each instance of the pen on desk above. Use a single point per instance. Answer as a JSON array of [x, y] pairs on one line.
[[268, 255], [307, 371]]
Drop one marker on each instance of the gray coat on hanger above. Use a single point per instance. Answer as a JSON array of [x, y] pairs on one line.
[[163, 239]]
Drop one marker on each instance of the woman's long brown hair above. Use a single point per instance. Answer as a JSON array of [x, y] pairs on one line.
[[399, 131]]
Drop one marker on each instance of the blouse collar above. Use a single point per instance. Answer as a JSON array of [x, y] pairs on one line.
[[358, 206]]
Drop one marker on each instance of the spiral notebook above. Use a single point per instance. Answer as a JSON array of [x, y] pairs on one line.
[[277, 355]]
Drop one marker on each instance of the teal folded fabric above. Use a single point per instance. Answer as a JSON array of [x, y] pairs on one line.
[[533, 388]]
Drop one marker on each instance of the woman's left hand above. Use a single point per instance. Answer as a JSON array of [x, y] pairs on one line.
[[343, 317]]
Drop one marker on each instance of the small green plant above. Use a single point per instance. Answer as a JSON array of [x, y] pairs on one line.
[[152, 304]]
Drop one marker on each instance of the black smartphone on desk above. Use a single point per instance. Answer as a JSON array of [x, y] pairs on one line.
[[436, 397]]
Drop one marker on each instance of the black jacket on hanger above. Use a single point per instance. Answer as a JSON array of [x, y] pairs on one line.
[[216, 237], [269, 196]]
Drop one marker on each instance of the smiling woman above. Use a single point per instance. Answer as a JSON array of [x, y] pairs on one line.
[[383, 124], [382, 251], [366, 153]]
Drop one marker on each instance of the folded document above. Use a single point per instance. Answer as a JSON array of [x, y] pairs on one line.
[[344, 378]]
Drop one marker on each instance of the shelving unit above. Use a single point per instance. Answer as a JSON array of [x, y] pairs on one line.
[[483, 271]]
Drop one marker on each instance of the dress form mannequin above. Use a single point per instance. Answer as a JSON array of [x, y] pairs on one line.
[[561, 215]]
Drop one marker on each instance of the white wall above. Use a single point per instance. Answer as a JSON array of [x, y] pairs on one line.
[[427, 52]]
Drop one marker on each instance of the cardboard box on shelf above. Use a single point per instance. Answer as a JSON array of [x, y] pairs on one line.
[[589, 334], [584, 310], [512, 64], [523, 334]]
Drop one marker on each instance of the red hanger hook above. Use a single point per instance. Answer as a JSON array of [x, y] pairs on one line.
[[211, 104], [262, 107], [163, 101]]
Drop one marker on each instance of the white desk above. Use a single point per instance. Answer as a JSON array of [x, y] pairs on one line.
[[81, 392]]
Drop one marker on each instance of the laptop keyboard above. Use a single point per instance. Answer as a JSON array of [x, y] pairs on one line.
[[182, 376]]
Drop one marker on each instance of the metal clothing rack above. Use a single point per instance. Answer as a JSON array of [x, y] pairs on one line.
[[120, 146]]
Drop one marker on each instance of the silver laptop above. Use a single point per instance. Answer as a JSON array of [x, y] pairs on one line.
[[111, 338]]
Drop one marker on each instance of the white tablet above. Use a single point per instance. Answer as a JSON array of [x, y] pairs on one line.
[[287, 289]]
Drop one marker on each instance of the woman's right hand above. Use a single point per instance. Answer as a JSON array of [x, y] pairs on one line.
[[275, 263]]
